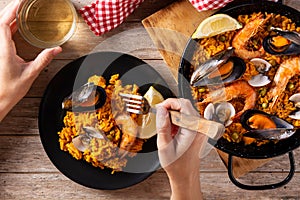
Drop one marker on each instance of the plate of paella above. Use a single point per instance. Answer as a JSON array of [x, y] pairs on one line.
[[84, 128], [248, 78]]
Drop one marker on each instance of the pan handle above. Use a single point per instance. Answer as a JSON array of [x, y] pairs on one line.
[[261, 187]]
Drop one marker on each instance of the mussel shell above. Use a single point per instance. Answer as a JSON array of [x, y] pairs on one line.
[[75, 101], [239, 69], [293, 36], [280, 123], [292, 49], [210, 65]]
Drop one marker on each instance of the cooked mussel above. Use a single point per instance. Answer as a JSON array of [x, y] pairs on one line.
[[283, 43], [222, 68], [257, 119], [210, 65], [87, 97]]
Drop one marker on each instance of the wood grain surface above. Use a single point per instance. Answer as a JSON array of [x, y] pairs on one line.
[[27, 173], [169, 30]]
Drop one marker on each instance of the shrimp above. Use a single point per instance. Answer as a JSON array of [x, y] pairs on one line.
[[234, 90], [285, 72], [129, 129], [243, 36]]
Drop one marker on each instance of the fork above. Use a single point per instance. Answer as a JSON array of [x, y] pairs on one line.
[[139, 105]]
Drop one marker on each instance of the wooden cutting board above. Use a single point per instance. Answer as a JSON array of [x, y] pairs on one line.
[[170, 29]]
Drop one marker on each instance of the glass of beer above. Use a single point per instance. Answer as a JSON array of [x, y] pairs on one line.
[[46, 23]]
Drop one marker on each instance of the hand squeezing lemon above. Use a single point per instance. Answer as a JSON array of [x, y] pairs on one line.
[[147, 122], [216, 24]]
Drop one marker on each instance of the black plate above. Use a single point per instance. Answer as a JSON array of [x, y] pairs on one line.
[[238, 149], [73, 75]]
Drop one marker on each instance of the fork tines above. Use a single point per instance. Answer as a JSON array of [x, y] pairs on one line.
[[134, 103]]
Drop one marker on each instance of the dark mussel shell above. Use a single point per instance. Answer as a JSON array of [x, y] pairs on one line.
[[280, 123], [210, 65], [290, 49], [239, 68], [88, 97]]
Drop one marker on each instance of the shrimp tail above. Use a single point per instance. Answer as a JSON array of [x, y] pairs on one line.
[[285, 72]]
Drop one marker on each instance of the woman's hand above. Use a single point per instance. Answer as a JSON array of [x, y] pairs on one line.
[[179, 150], [16, 75]]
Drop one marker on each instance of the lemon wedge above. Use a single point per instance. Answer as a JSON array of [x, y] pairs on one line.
[[216, 24], [147, 122]]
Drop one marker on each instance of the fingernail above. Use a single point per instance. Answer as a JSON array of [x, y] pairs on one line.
[[161, 115], [56, 51]]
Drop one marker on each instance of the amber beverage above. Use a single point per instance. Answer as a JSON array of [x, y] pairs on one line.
[[46, 23]]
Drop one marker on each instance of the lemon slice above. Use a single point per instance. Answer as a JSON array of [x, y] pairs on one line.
[[147, 123], [216, 24]]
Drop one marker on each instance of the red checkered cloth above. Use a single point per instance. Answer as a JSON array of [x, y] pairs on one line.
[[202, 5], [104, 15]]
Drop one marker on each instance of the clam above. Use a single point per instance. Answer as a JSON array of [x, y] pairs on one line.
[[256, 119], [262, 66], [283, 43], [259, 80], [295, 115], [221, 68], [94, 133], [220, 112], [296, 99], [82, 141], [87, 97]]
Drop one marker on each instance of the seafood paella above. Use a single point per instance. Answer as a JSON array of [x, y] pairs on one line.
[[249, 78], [104, 137]]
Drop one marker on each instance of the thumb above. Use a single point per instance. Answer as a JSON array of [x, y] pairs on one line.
[[163, 127], [44, 59]]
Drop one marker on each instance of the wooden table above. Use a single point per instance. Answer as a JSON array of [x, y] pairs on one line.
[[27, 173]]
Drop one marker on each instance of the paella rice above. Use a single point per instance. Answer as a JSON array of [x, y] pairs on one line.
[[282, 107], [103, 153]]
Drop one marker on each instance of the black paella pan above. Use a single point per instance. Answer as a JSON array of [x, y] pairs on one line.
[[270, 150]]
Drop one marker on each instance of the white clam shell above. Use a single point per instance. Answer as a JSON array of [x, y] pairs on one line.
[[295, 98], [209, 111], [259, 80], [93, 132], [81, 142], [221, 112], [295, 115], [258, 62]]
